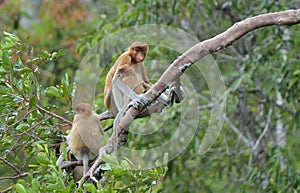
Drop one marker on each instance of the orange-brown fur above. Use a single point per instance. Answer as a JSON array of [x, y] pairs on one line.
[[130, 68]]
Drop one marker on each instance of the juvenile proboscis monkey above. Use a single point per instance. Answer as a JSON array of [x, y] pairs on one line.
[[86, 135], [129, 68], [128, 80]]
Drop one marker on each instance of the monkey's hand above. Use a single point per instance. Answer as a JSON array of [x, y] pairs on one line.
[[176, 92], [138, 101]]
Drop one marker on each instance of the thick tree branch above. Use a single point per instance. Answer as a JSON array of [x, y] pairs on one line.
[[214, 44], [176, 69]]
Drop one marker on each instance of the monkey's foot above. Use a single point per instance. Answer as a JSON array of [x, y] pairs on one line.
[[179, 95], [176, 92], [88, 175]]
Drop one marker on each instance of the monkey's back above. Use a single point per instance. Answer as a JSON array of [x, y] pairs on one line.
[[123, 59], [76, 144], [85, 137]]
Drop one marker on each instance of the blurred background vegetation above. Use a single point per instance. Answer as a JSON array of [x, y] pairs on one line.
[[43, 43]]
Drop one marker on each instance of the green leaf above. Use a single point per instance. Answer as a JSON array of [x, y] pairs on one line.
[[298, 118], [292, 82], [63, 151], [66, 86], [125, 164], [52, 187], [30, 175], [32, 102], [90, 187], [45, 54], [26, 70], [20, 188], [22, 126], [33, 60], [39, 146], [35, 184], [56, 55], [13, 37], [60, 183], [237, 83], [8, 45], [7, 65], [32, 165], [46, 149], [110, 158], [42, 159], [2, 71], [52, 91], [106, 167], [166, 158], [296, 72]]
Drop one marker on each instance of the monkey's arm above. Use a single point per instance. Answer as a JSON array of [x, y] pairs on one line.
[[121, 87], [90, 132], [144, 74], [175, 92], [105, 115]]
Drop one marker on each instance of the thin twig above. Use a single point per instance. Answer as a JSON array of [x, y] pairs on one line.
[[54, 115], [21, 118], [237, 131], [10, 165], [44, 110], [7, 189], [285, 109], [108, 127], [16, 176], [71, 163], [34, 126], [265, 130]]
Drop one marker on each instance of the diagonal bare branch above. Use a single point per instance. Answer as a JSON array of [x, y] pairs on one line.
[[176, 69]]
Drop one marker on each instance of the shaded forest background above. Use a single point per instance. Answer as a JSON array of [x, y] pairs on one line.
[[45, 41]]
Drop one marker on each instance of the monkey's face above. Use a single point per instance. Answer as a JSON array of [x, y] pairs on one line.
[[83, 108], [139, 53]]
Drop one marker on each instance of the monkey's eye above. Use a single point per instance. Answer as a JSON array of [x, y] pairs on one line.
[[80, 110]]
